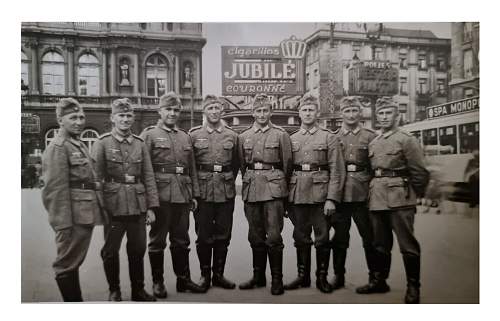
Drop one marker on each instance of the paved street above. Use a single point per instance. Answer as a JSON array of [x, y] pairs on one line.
[[450, 263]]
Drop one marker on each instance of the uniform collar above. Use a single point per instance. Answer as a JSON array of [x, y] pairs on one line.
[[119, 137], [161, 124], [346, 130], [311, 131], [256, 128], [73, 140], [389, 133], [211, 130]]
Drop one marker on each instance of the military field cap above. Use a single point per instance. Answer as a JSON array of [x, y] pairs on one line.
[[122, 105], [350, 101], [308, 99], [210, 100], [67, 106], [261, 100], [170, 99], [385, 102]]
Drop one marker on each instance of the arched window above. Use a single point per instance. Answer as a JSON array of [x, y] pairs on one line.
[[89, 137], [53, 73], [156, 75], [50, 135], [25, 67], [88, 75]]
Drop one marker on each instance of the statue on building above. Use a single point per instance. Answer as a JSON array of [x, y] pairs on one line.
[[124, 72], [188, 82]]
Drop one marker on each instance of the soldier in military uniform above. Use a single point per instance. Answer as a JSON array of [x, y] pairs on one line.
[[216, 153], [72, 196], [354, 140], [265, 155], [130, 195], [315, 185], [173, 161], [399, 178]]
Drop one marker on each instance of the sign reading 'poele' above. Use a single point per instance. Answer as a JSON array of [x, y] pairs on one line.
[[274, 70], [374, 77]]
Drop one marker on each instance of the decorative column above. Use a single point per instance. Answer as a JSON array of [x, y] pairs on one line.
[[198, 75], [113, 71], [34, 68], [177, 71], [136, 73], [71, 67], [104, 68]]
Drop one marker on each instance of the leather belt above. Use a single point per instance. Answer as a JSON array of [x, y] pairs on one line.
[[310, 167], [126, 179], [381, 172], [354, 168], [263, 166], [216, 168], [95, 186], [170, 169]]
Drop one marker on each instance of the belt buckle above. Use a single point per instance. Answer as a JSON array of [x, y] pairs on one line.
[[218, 168], [129, 179], [306, 167], [378, 172], [179, 170], [351, 168], [258, 166]]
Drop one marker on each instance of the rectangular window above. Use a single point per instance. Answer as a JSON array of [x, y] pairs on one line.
[[403, 61], [403, 86], [25, 73], [429, 137], [307, 81], [422, 61], [468, 64], [379, 54], [422, 86], [151, 87], [467, 31], [316, 78], [441, 89], [469, 137], [447, 140], [403, 108], [441, 64]]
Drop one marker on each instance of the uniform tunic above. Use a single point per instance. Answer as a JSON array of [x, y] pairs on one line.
[[73, 212], [215, 149], [309, 189], [264, 190]]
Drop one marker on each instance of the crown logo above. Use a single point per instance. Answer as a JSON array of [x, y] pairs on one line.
[[293, 48]]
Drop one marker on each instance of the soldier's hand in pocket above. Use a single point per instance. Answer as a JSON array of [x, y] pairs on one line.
[[329, 208], [150, 217]]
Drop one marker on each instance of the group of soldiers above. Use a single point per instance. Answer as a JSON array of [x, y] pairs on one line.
[[317, 178]]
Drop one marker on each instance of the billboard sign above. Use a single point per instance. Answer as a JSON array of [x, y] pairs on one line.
[[272, 70], [454, 107], [30, 124], [373, 77]]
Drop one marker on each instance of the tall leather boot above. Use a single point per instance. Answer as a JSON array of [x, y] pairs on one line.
[[156, 261], [259, 258], [338, 260], [412, 268], [205, 258], [112, 271], [303, 279], [136, 273], [377, 281], [180, 262], [276, 264], [370, 255], [322, 262], [69, 286], [218, 279]]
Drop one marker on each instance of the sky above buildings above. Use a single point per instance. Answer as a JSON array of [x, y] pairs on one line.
[[271, 34]]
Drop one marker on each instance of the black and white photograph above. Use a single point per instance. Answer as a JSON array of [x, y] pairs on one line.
[[264, 162]]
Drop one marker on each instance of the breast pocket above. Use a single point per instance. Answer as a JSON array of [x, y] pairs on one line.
[[271, 152], [200, 147], [228, 147], [321, 152], [79, 168], [248, 148], [394, 157], [114, 162], [160, 151]]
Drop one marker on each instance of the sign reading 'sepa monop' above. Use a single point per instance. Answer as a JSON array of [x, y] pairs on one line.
[[273, 70]]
